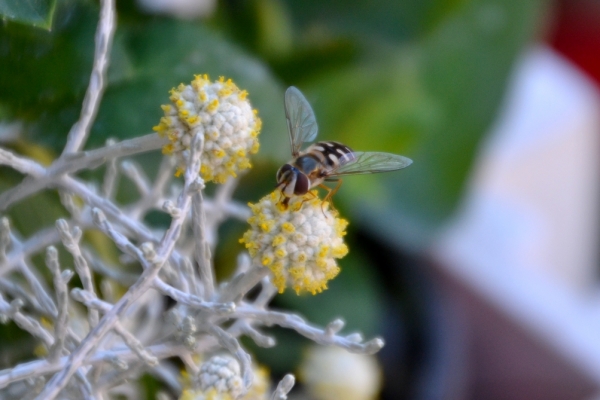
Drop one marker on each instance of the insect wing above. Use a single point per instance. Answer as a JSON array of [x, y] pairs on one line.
[[360, 162], [302, 124]]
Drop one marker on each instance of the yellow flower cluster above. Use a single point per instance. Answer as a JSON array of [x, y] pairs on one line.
[[219, 111], [299, 244]]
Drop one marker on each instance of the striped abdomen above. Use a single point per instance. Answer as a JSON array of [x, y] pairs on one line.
[[329, 154]]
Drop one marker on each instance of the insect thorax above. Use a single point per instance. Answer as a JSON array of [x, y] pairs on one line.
[[307, 163]]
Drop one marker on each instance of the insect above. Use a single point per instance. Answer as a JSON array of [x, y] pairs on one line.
[[322, 161]]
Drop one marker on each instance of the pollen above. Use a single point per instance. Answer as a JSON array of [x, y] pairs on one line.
[[213, 105], [288, 227], [299, 243], [219, 111], [267, 260], [167, 148], [277, 240], [219, 153]]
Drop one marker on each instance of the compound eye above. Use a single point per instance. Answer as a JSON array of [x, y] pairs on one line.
[[283, 172], [302, 184]]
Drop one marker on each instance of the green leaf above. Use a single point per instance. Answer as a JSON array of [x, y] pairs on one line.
[[374, 20], [37, 13], [45, 74]]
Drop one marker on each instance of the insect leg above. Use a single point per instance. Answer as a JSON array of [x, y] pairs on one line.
[[331, 192]]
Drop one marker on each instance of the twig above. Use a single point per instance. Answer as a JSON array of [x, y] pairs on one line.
[[352, 343], [111, 175], [137, 176], [24, 322], [91, 102], [38, 289], [71, 240], [284, 387], [164, 250], [71, 163], [62, 299], [202, 249], [92, 302]]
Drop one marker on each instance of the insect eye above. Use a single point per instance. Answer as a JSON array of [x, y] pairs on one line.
[[302, 184], [283, 172]]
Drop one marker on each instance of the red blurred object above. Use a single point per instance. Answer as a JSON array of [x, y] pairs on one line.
[[576, 34]]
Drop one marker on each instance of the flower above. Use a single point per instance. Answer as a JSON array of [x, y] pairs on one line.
[[219, 111], [331, 373], [299, 244], [220, 379]]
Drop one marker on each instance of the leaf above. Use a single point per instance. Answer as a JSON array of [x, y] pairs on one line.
[[45, 74], [374, 20], [37, 13]]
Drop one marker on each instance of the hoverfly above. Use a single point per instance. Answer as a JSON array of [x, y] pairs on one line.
[[322, 161]]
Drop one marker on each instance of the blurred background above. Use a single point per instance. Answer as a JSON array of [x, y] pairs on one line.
[[478, 264]]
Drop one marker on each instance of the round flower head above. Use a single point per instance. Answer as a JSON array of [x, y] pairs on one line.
[[331, 373], [299, 244], [220, 379], [219, 111]]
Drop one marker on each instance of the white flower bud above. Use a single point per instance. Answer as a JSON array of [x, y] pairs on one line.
[[331, 373]]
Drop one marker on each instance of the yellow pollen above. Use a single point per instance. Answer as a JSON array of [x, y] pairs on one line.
[[167, 149], [267, 260], [267, 225], [323, 251], [160, 129], [242, 95], [245, 163], [193, 119], [340, 251], [213, 105], [166, 108], [277, 240], [219, 153], [179, 171], [288, 227], [280, 253], [224, 92], [172, 135]]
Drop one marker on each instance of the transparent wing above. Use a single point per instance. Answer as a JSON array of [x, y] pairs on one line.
[[302, 124], [370, 162]]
